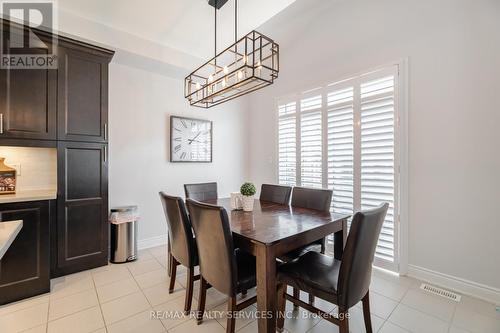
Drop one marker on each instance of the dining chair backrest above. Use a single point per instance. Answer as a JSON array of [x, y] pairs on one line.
[[179, 229], [275, 193], [356, 267], [215, 246], [312, 198], [201, 191]]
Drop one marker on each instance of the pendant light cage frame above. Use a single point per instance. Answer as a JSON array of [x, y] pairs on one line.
[[251, 63]]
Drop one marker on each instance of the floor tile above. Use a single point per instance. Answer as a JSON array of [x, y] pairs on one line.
[[141, 322], [393, 290], [24, 304], [144, 255], [115, 274], [153, 278], [389, 327], [253, 327], [479, 306], [162, 260], [38, 329], [171, 313], [158, 294], [70, 284], [85, 321], [454, 329], [380, 305], [244, 317], [124, 307], [475, 322], [117, 289], [71, 304], [24, 319], [191, 326], [144, 266], [356, 323], [158, 251], [299, 320], [417, 321], [431, 304]]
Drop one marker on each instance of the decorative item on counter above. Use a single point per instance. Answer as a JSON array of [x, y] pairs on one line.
[[248, 191], [7, 178], [236, 201]]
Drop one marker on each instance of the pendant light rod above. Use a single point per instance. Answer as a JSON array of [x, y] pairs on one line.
[[215, 46], [235, 21]]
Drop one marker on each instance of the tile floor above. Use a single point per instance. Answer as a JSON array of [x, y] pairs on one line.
[[121, 298]]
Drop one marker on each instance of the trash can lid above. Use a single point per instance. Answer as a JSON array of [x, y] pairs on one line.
[[123, 209]]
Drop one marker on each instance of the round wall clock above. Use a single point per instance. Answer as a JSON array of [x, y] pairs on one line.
[[190, 140]]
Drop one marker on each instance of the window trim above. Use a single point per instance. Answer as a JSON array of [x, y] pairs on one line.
[[400, 149]]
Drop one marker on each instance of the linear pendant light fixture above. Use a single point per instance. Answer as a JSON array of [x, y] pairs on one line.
[[251, 63]]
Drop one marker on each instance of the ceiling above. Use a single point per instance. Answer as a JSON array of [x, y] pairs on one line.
[[186, 25]]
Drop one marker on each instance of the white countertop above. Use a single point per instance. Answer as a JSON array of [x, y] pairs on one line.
[[8, 232], [31, 195]]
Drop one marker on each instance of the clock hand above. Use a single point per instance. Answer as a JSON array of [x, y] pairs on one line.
[[195, 141], [191, 141]]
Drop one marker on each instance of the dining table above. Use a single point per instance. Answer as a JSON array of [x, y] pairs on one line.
[[271, 230]]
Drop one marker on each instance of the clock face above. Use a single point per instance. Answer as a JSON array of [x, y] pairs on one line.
[[190, 140]]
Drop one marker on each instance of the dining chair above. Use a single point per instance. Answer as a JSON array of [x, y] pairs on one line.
[[182, 246], [201, 191], [275, 193], [342, 282], [311, 198], [227, 270]]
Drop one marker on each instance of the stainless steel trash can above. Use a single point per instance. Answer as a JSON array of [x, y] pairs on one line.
[[123, 229]]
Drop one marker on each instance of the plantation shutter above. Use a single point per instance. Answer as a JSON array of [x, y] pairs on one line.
[[311, 142], [287, 144], [378, 123]]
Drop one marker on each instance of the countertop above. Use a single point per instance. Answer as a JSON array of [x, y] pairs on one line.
[[31, 195], [8, 232]]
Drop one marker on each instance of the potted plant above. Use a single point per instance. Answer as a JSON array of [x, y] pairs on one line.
[[247, 191]]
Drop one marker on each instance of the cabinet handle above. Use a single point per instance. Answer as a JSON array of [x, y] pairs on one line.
[[105, 131], [1, 123], [105, 154]]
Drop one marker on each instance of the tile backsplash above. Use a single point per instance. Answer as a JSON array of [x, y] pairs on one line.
[[38, 167]]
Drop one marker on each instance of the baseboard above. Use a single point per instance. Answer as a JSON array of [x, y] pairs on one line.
[[466, 287], [151, 242]]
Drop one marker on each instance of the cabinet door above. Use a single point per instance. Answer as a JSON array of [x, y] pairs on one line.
[[28, 100], [24, 269], [83, 96], [82, 227]]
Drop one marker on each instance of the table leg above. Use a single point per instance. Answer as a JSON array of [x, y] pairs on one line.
[[339, 240], [266, 289]]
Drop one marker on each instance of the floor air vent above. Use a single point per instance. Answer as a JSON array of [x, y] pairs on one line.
[[440, 292]]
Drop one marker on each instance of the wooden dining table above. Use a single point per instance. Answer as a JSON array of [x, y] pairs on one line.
[[272, 230]]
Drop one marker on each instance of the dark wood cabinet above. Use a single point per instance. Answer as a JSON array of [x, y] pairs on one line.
[[24, 269], [82, 204], [82, 94], [28, 99]]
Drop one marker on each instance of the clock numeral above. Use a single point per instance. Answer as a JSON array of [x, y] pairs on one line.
[[178, 139], [183, 123], [178, 130], [183, 155], [193, 124], [177, 148]]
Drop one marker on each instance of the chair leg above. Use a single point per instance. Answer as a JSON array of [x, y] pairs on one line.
[[366, 313], [311, 299], [173, 272], [344, 321], [280, 323], [189, 290], [201, 300], [231, 321], [296, 294]]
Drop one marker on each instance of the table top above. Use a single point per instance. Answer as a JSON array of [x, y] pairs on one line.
[[8, 232], [270, 222]]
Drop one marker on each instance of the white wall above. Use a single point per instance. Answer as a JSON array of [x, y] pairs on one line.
[[141, 103], [453, 48]]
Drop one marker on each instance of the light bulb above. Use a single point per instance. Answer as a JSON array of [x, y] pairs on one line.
[[259, 65], [210, 78], [240, 75], [223, 82], [226, 70], [245, 59], [198, 86]]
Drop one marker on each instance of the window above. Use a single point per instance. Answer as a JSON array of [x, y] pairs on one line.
[[344, 136]]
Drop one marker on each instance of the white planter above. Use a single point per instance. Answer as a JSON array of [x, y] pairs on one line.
[[247, 203]]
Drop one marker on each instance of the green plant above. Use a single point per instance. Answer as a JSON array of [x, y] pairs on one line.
[[248, 189]]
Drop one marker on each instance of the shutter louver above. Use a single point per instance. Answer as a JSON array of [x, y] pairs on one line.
[[377, 156], [287, 146], [311, 142], [341, 149]]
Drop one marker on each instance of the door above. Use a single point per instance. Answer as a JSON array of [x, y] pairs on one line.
[[28, 98], [83, 96], [82, 227], [24, 269]]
